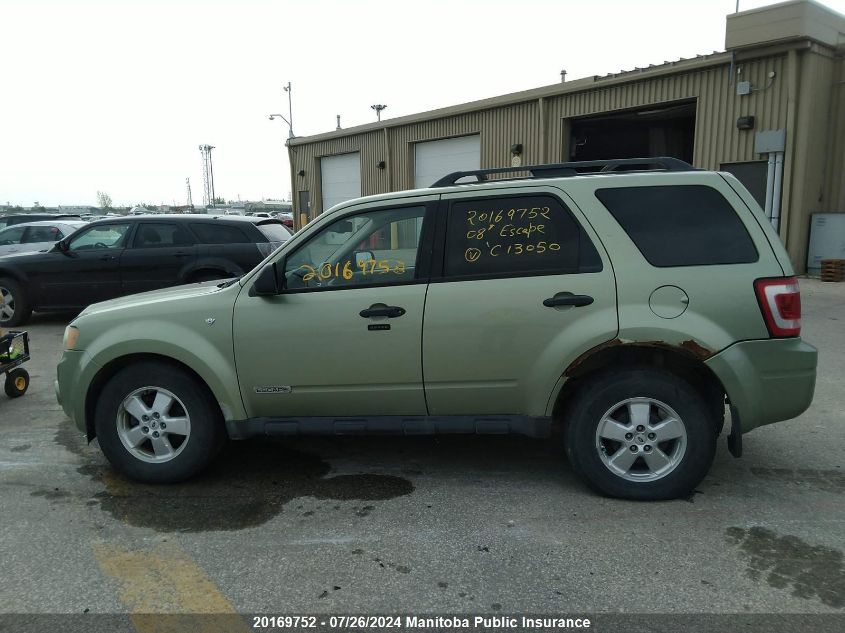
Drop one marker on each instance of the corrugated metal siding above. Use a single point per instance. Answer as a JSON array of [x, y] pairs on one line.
[[717, 140], [834, 195], [307, 158], [809, 149]]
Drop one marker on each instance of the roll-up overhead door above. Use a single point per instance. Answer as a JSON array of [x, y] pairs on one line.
[[435, 159], [340, 178]]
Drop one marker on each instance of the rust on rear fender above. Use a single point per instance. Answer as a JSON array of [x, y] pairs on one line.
[[688, 348]]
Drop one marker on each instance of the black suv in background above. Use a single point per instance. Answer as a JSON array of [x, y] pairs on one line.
[[10, 219], [120, 256]]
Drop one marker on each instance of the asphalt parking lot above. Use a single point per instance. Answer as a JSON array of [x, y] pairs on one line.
[[427, 525]]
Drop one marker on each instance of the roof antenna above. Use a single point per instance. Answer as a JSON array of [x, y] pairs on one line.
[[562, 76], [338, 122]]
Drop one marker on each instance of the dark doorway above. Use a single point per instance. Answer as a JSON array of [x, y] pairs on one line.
[[667, 130], [304, 207], [753, 175]]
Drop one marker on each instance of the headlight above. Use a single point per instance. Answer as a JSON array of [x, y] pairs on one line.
[[71, 336]]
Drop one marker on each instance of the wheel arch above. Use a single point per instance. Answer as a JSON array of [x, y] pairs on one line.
[[686, 362], [12, 273], [108, 371]]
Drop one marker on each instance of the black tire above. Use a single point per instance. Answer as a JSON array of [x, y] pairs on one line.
[[17, 382], [600, 395], [207, 431], [22, 305]]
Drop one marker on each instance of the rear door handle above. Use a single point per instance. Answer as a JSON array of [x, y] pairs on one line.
[[390, 312], [568, 300], [181, 254], [107, 258]]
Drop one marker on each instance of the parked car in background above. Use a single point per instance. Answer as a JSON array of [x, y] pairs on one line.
[[259, 214], [35, 236], [114, 257], [10, 219], [286, 219]]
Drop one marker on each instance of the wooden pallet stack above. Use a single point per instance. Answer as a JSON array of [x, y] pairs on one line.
[[833, 269]]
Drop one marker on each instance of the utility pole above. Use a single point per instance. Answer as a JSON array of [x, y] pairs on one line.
[[378, 108], [190, 199], [207, 175]]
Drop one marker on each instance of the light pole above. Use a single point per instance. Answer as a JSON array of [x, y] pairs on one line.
[[378, 108], [290, 106], [283, 118], [289, 118]]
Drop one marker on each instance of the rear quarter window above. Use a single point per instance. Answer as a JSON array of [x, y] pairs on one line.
[[680, 225], [274, 231]]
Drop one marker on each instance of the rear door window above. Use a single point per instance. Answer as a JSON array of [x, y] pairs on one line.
[[518, 235], [155, 235], [209, 233], [37, 234], [680, 225]]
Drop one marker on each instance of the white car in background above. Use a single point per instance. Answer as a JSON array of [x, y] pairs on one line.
[[35, 236]]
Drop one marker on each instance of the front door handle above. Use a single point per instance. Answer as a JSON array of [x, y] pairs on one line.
[[390, 312], [181, 254], [568, 299], [107, 258]]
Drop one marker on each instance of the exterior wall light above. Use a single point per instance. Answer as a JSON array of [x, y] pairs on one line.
[[745, 123]]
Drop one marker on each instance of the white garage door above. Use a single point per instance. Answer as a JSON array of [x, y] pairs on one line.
[[340, 178], [435, 159]]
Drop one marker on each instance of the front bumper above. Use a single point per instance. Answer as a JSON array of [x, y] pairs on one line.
[[68, 385], [767, 380]]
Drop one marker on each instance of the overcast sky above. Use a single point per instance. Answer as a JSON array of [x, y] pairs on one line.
[[118, 95]]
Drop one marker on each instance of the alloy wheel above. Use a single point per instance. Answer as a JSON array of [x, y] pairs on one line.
[[153, 424], [7, 304], [641, 439]]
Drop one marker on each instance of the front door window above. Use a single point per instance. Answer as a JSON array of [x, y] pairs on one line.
[[373, 248], [100, 237]]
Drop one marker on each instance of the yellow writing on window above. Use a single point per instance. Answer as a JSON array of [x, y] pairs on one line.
[[346, 270]]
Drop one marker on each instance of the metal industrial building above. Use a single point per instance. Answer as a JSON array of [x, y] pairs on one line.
[[770, 109]]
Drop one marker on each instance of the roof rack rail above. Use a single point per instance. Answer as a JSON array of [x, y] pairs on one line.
[[557, 170]]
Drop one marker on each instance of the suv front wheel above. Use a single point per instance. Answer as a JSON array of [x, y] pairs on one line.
[[158, 424], [641, 434]]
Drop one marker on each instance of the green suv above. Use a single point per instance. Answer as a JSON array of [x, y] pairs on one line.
[[619, 305]]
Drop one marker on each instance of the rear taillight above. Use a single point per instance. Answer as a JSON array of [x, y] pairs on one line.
[[780, 302]]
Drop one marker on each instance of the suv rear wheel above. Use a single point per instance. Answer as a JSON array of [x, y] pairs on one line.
[[157, 424], [640, 433]]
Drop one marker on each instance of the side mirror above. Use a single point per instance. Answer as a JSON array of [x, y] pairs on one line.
[[266, 283], [363, 256], [61, 246]]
